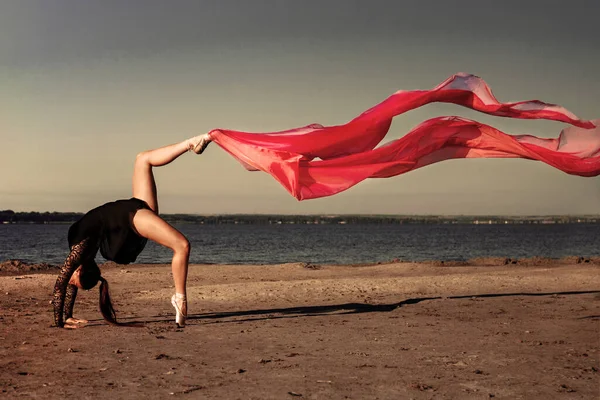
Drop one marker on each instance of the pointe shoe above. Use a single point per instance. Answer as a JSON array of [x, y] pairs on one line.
[[199, 147], [180, 303]]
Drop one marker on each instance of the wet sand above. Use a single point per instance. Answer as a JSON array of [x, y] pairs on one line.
[[391, 331]]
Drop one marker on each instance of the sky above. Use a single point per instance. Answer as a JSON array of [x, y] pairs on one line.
[[86, 85]]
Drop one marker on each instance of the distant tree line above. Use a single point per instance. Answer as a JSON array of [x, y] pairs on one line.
[[33, 217], [11, 217]]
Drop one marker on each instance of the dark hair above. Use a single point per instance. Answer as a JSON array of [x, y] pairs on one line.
[[89, 277]]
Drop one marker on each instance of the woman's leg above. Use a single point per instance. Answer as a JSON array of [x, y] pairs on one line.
[[144, 186], [151, 226]]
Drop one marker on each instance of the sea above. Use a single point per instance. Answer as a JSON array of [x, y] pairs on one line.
[[330, 243]]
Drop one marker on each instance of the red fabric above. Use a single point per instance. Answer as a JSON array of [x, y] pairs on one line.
[[317, 161]]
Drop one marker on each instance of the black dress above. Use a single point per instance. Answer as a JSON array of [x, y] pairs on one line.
[[106, 228], [110, 227]]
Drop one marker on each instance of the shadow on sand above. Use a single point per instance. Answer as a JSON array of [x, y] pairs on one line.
[[335, 309]]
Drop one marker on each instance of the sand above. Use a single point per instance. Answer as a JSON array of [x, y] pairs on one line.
[[390, 331]]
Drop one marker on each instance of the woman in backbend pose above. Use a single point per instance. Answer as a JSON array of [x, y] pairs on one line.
[[120, 230]]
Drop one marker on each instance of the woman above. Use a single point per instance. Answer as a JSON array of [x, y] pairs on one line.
[[120, 231]]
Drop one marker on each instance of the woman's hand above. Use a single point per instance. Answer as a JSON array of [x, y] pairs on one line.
[[75, 321]]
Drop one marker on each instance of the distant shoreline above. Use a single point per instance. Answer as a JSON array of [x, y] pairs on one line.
[[11, 217]]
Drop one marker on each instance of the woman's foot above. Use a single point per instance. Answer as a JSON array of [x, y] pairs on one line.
[[198, 143], [180, 303]]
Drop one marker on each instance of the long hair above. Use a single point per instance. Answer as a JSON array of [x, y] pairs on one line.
[[106, 307], [89, 277]]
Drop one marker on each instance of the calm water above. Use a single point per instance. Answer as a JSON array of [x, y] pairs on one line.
[[332, 244]]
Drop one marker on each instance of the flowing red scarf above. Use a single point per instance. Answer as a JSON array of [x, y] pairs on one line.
[[317, 161]]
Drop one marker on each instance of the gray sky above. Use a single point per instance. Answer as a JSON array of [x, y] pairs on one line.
[[86, 85]]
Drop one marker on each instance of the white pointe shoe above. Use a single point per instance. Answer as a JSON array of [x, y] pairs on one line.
[[180, 303]]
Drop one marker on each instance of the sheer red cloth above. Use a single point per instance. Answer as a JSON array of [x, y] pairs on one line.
[[317, 161]]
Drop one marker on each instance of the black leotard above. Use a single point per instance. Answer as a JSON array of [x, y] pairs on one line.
[[106, 228], [110, 227]]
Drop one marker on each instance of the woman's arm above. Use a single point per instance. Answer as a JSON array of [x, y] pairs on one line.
[[75, 258], [70, 297]]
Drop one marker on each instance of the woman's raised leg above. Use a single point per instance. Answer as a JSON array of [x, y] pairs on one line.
[[144, 186]]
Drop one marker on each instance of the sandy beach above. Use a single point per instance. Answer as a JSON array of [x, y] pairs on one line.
[[529, 330]]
